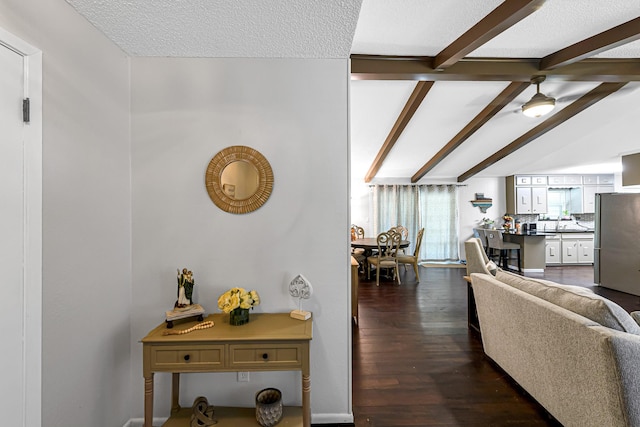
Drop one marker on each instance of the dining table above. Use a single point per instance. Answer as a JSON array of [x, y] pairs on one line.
[[370, 244]]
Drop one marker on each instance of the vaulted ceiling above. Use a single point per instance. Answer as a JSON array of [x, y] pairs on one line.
[[437, 88], [436, 85]]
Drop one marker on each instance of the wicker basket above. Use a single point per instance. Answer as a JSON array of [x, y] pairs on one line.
[[268, 407]]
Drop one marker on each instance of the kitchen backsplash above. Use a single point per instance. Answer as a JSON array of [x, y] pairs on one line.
[[577, 222]]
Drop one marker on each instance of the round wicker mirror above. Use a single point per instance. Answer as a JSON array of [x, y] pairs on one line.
[[239, 179]]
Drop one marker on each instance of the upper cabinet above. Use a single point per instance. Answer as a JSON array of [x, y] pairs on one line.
[[594, 184], [526, 194], [556, 195]]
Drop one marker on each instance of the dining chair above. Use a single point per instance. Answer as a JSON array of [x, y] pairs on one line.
[[404, 234], [388, 245], [358, 253], [412, 259], [495, 240]]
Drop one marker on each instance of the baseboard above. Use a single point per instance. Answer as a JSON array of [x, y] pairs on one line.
[[332, 419], [139, 422], [325, 420]]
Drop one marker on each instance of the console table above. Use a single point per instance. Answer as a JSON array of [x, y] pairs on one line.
[[269, 342]]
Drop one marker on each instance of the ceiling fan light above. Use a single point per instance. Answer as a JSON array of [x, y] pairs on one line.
[[538, 105]]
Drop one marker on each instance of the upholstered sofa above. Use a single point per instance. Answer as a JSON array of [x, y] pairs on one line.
[[575, 352]]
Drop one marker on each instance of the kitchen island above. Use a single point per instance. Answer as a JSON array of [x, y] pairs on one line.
[[532, 250]]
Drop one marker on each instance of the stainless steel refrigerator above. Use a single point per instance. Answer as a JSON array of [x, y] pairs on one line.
[[617, 242]]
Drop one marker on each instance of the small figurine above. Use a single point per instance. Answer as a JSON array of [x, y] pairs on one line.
[[184, 306], [300, 288], [185, 288]]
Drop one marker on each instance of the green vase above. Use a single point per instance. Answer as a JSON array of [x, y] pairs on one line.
[[239, 316]]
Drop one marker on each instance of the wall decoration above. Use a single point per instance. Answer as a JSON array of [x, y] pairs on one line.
[[239, 179], [482, 202], [300, 288]]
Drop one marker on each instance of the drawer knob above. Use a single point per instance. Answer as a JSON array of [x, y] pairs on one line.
[[265, 356], [187, 357]]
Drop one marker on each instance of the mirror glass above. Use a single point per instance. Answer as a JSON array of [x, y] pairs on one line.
[[239, 179], [563, 202]]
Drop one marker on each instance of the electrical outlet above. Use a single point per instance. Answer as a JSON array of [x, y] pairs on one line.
[[243, 377]]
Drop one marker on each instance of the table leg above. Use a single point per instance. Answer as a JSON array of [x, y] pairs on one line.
[[175, 392], [306, 400], [148, 400]]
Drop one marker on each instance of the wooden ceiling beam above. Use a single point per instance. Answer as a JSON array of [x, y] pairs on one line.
[[614, 37], [370, 67], [414, 101], [582, 103], [501, 18], [504, 98]]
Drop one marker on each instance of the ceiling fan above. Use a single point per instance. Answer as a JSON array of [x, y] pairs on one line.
[[539, 104]]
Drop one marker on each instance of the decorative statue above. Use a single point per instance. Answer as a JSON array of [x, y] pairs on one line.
[[184, 306], [300, 288], [185, 288]]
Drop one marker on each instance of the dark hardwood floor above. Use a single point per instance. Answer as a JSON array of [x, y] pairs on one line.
[[415, 362]]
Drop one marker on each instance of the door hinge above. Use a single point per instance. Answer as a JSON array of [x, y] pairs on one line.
[[25, 110]]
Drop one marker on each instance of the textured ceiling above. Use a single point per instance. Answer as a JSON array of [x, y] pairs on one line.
[[226, 28]]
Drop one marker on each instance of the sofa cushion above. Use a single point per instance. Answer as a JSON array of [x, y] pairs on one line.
[[577, 299], [635, 315], [492, 267]]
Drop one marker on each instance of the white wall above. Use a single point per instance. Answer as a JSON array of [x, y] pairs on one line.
[[86, 215], [470, 216], [295, 113]]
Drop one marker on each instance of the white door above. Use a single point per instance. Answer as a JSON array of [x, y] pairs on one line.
[[12, 246]]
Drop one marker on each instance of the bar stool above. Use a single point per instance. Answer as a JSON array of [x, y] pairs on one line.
[[495, 240], [481, 234]]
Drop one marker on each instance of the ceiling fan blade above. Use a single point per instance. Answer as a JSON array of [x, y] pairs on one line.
[[570, 98]]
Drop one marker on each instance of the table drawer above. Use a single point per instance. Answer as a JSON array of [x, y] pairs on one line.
[[194, 358], [256, 356]]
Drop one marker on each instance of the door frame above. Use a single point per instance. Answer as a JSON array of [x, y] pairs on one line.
[[32, 286]]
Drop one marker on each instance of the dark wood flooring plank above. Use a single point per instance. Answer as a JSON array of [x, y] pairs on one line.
[[415, 362]]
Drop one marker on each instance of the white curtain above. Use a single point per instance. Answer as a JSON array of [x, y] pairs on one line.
[[433, 207]]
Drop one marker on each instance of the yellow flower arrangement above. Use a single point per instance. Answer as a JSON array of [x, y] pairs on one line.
[[238, 298]]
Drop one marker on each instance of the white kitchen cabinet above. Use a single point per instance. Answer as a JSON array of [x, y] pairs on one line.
[[531, 200], [556, 180], [539, 180], [570, 251], [577, 248], [539, 199], [552, 251], [589, 196], [585, 251], [523, 180]]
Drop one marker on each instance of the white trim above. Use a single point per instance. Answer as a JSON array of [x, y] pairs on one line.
[[315, 419], [139, 422], [331, 418], [33, 229]]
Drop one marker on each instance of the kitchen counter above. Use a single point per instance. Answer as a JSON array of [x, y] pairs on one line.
[[532, 255], [590, 230]]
